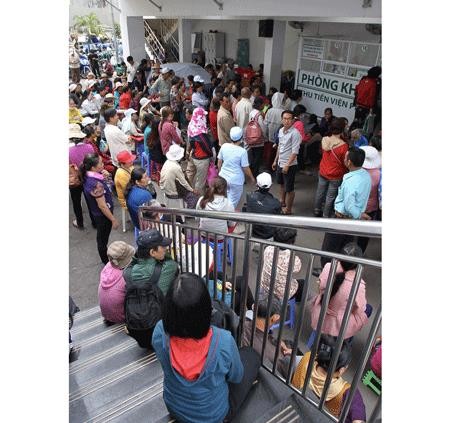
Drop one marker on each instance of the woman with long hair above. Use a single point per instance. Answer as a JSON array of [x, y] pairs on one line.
[[152, 146], [202, 364], [167, 130], [99, 199], [215, 199]]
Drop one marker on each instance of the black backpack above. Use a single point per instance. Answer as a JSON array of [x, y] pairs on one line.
[[143, 305]]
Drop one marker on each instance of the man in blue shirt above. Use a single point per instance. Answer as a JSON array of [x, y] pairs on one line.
[[351, 201]]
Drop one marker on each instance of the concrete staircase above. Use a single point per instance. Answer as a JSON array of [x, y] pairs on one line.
[[114, 380]]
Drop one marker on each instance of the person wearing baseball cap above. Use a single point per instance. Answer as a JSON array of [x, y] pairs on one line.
[[262, 201], [152, 248], [233, 165], [112, 287], [123, 175]]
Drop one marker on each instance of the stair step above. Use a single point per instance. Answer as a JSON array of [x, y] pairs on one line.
[[85, 314], [95, 359], [90, 324], [131, 404], [284, 412], [99, 337], [99, 383]]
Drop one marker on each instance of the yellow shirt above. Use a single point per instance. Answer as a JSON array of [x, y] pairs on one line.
[[121, 180], [75, 115]]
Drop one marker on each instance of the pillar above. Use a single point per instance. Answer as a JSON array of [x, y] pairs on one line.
[[133, 37], [184, 40], [273, 55]]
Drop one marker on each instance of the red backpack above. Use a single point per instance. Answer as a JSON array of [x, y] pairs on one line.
[[253, 132], [366, 92]]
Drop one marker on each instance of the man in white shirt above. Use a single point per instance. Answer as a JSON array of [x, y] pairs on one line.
[[116, 139], [285, 162], [131, 70], [162, 87], [243, 108], [89, 106]]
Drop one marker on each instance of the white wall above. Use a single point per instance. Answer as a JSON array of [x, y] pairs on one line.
[[289, 9], [249, 29]]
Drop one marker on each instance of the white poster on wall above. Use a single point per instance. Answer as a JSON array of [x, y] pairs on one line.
[[313, 49], [321, 91]]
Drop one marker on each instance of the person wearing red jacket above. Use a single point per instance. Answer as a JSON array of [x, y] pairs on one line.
[[125, 98], [331, 170]]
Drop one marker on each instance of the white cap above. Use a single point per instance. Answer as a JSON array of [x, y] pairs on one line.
[[236, 133], [144, 101], [87, 121], [72, 87], [118, 84], [264, 180], [164, 70], [198, 78], [175, 152]]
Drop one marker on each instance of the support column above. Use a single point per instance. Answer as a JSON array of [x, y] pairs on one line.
[[273, 55], [184, 40], [133, 37]]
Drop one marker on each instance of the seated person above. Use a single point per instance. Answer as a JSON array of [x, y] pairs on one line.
[[357, 139], [111, 290], [284, 236], [206, 377], [270, 348], [339, 388], [153, 247], [262, 201], [342, 285]]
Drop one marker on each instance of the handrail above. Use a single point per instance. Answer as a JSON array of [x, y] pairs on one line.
[[158, 49], [348, 226]]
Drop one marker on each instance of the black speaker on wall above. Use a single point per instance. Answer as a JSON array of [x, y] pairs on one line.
[[266, 28]]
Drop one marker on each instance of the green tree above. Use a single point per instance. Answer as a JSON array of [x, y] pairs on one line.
[[89, 24], [117, 29]]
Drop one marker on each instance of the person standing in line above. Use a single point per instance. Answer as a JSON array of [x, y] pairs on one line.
[[331, 170], [201, 146], [233, 166], [199, 99], [162, 86], [167, 129], [74, 65], [131, 71], [77, 152], [272, 120], [116, 139], [224, 119], [285, 162], [351, 201], [256, 150], [100, 201], [213, 110], [243, 108]]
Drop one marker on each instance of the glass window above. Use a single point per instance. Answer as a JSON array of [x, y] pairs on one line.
[[310, 65], [363, 54], [336, 51], [313, 48], [357, 73], [333, 68]]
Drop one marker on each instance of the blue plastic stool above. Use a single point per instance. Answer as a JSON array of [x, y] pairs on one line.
[[219, 253], [291, 320]]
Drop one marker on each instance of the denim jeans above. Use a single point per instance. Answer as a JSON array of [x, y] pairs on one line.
[[327, 191]]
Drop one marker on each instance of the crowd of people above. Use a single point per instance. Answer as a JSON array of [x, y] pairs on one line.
[[201, 141]]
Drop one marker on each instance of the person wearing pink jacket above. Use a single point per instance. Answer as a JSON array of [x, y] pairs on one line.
[[342, 285], [111, 290]]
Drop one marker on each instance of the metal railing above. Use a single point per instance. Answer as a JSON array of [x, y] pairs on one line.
[[168, 27], [153, 43], [189, 250]]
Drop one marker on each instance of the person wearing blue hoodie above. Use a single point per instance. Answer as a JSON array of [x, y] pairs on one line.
[[206, 376]]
